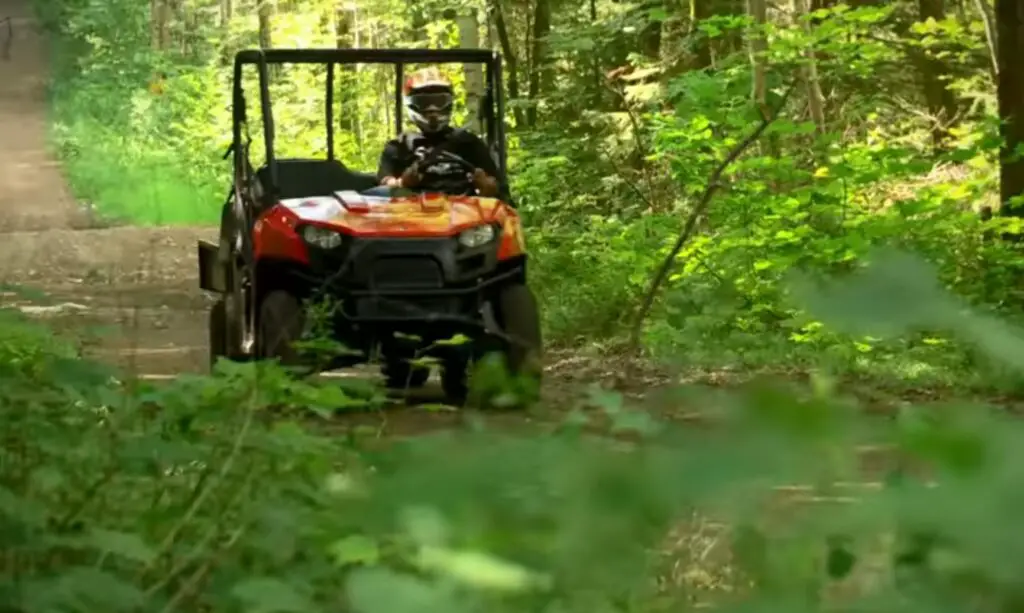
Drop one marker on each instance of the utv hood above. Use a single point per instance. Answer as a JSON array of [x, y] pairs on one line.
[[414, 216]]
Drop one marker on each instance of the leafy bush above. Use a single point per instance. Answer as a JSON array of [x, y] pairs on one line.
[[124, 497]]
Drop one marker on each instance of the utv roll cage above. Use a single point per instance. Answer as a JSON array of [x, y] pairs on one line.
[[491, 111]]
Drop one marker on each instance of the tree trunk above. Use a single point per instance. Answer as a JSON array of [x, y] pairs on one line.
[[540, 73], [227, 11], [809, 73], [731, 40], [160, 24], [673, 38], [469, 38], [708, 49], [1010, 41], [651, 34], [265, 14], [990, 35], [159, 39], [699, 11], [343, 19], [508, 52], [758, 10], [940, 101]]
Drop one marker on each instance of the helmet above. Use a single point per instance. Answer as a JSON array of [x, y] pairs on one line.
[[428, 98]]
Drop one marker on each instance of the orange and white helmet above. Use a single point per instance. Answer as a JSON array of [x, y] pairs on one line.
[[428, 99]]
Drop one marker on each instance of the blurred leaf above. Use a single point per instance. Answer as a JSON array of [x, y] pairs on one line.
[[479, 569], [355, 549], [128, 546], [377, 590], [271, 595]]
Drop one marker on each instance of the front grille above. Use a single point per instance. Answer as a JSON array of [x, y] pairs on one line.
[[400, 308], [406, 272]]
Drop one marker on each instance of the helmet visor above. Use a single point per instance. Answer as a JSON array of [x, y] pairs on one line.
[[436, 102]]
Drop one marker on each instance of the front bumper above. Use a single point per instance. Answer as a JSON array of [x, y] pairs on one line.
[[389, 280]]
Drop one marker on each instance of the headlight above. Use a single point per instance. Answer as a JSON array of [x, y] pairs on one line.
[[321, 237], [475, 237]]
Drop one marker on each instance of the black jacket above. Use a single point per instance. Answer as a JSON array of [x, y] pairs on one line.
[[399, 154]]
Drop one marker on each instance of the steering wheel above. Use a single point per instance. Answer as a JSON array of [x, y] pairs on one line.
[[454, 183]]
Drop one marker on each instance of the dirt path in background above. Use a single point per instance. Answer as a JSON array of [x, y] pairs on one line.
[[33, 194], [136, 284]]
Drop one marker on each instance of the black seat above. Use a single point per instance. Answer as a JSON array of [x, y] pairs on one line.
[[304, 178]]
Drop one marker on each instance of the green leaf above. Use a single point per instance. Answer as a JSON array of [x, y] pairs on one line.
[[425, 525], [913, 297], [123, 544], [437, 407], [81, 589], [376, 590], [458, 339], [406, 336], [610, 402], [355, 549], [840, 561], [479, 569], [270, 595]]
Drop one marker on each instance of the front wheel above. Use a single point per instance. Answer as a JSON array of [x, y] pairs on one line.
[[455, 381], [401, 375], [281, 323], [519, 318]]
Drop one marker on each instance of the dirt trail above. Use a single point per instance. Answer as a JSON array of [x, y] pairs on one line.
[[34, 196], [131, 289]]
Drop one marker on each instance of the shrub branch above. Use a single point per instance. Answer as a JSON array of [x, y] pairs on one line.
[[695, 216]]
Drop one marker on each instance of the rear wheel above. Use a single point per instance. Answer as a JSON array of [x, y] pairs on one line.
[[281, 323], [400, 374], [455, 380], [218, 325]]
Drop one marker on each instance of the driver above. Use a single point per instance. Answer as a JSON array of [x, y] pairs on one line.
[[428, 99]]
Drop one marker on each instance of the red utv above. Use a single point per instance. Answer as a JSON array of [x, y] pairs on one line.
[[404, 273]]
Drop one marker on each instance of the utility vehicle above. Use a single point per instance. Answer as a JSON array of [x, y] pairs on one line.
[[406, 271]]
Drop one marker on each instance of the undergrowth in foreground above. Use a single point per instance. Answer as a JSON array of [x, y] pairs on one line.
[[206, 495]]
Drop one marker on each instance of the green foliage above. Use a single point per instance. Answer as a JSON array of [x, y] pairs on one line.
[[197, 495], [225, 493]]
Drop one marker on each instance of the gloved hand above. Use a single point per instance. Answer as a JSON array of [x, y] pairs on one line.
[[486, 185], [411, 177]]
